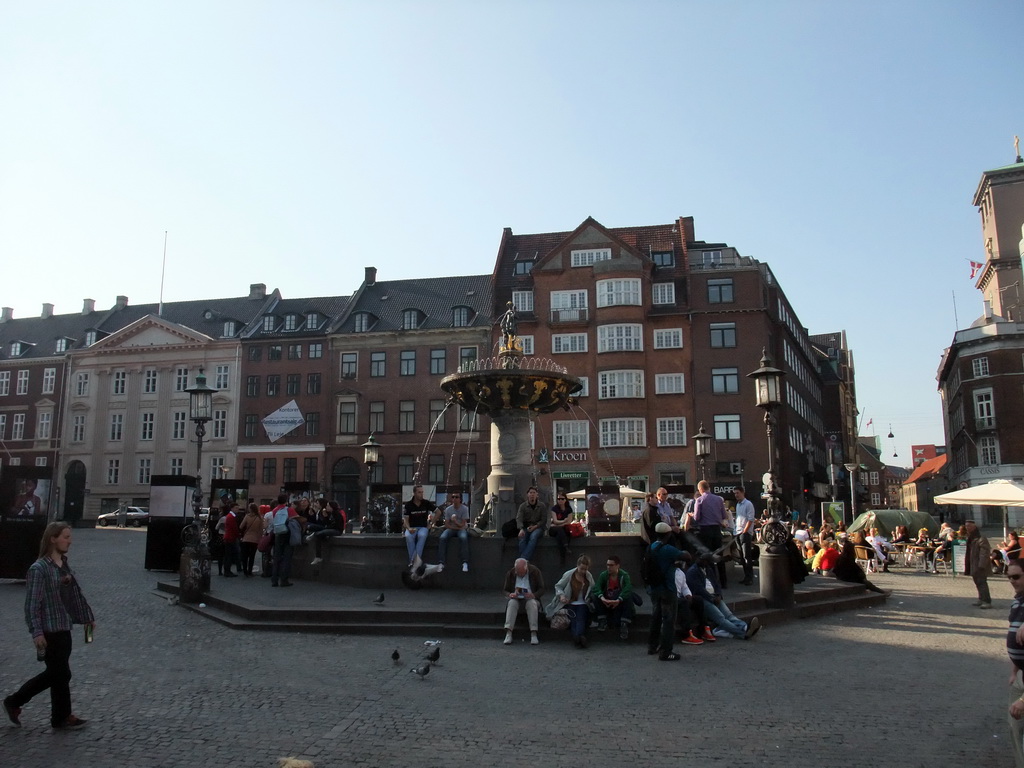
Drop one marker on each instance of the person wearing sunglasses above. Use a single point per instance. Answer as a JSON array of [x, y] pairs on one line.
[[558, 525]]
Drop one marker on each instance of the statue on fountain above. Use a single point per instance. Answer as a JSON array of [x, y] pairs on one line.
[[509, 331]]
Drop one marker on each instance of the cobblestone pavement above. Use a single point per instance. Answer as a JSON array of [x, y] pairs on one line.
[[920, 681]]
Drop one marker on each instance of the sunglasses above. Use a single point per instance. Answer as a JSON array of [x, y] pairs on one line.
[[562, 498]]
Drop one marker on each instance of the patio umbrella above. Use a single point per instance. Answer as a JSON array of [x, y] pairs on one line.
[[996, 493], [624, 491]]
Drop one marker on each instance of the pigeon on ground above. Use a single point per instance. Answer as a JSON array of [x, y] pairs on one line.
[[379, 599], [422, 670], [173, 600], [434, 655], [395, 656], [431, 642]]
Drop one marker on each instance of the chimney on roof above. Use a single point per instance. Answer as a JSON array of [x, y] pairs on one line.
[[47, 310], [88, 306], [257, 291], [371, 275], [8, 314], [121, 303]]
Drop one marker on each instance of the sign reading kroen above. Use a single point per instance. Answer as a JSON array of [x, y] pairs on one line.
[[282, 421]]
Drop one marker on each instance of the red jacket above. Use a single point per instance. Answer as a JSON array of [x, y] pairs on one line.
[[230, 527]]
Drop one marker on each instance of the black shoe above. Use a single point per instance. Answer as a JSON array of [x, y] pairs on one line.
[[13, 713], [747, 582], [652, 651], [71, 721], [287, 584], [669, 657], [752, 628], [229, 573], [584, 642]]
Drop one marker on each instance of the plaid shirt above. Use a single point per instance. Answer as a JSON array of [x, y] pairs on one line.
[[45, 608]]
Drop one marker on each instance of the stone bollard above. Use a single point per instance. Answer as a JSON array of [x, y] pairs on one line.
[[776, 581]]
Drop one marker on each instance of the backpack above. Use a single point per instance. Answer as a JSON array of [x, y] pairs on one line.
[[650, 569], [281, 520]]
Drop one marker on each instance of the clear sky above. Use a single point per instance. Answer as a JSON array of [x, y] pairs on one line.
[[294, 143]]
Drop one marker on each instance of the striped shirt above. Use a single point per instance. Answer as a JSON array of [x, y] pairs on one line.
[[54, 600], [1014, 649]]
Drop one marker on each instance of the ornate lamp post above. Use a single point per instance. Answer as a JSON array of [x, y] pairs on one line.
[[371, 455], [702, 447], [852, 468], [194, 574], [776, 582]]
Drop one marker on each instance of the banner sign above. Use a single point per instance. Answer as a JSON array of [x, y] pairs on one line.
[[282, 421]]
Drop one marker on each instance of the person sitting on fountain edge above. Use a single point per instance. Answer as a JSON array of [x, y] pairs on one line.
[[456, 523], [416, 522], [530, 520]]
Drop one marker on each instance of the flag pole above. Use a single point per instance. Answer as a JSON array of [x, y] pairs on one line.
[[163, 270]]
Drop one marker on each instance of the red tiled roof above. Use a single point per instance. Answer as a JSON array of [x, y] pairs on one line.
[[926, 469]]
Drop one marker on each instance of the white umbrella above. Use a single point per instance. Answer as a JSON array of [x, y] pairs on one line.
[[997, 493], [624, 491]]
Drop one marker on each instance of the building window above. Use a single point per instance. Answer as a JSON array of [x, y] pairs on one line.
[[349, 361], [872, 478], [149, 381], [22, 383], [568, 342], [725, 381], [77, 429], [120, 382], [437, 416], [181, 379], [313, 384], [438, 366], [145, 470], [116, 426], [3, 425], [217, 466], [672, 431], [406, 469], [376, 416], [61, 346], [669, 384], [255, 353], [435, 468], [407, 362], [523, 301], [252, 386], [984, 409], [467, 420], [178, 427], [527, 342], [270, 471], [723, 335], [294, 351], [876, 499], [292, 384], [711, 258], [568, 306], [229, 328], [587, 258], [147, 421], [223, 380], [585, 381], [618, 384], [274, 352], [49, 380], [269, 323], [980, 366], [377, 360], [43, 425], [252, 421], [406, 416], [81, 384], [347, 417], [663, 258], [467, 469], [663, 293], [289, 470], [90, 338], [570, 434], [988, 451], [411, 319], [40, 461], [467, 355], [316, 350], [18, 427], [113, 471], [617, 293], [309, 469], [273, 385], [248, 470], [220, 424], [523, 267], [291, 322], [461, 317], [668, 338], [720, 291], [620, 433], [5, 382], [178, 467], [727, 427], [620, 338], [362, 322]]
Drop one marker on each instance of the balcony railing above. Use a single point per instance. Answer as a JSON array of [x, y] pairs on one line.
[[985, 423], [575, 315]]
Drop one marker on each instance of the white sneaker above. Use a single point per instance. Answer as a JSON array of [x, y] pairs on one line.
[[508, 637], [440, 567], [465, 567], [309, 538], [721, 633], [533, 639], [317, 561]]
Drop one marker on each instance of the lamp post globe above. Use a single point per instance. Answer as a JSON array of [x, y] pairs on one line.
[[702, 449]]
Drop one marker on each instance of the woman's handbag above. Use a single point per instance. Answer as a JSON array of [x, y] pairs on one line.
[[577, 530], [266, 543], [560, 619]]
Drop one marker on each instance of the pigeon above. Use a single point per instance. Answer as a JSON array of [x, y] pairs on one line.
[[422, 670], [173, 600], [434, 655], [379, 599], [395, 656], [431, 642]]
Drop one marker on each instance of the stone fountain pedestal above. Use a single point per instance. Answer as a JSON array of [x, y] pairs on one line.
[[511, 464]]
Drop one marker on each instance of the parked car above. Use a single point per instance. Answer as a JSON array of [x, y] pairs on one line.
[[137, 516]]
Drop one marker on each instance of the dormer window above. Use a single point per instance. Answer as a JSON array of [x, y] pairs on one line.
[[90, 338], [16, 348], [230, 328], [291, 322], [524, 267], [61, 345], [312, 320], [363, 322], [269, 322], [461, 317], [411, 319]]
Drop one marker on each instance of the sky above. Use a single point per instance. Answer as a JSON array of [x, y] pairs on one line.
[[295, 143]]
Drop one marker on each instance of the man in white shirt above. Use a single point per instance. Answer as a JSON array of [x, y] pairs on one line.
[[745, 517]]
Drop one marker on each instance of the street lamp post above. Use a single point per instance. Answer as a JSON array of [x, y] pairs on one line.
[[852, 468], [371, 455], [194, 570], [702, 447], [776, 580]]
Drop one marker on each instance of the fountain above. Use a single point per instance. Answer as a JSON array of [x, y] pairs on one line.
[[511, 389]]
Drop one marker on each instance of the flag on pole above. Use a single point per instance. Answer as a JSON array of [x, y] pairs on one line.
[[870, 422], [975, 266]]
